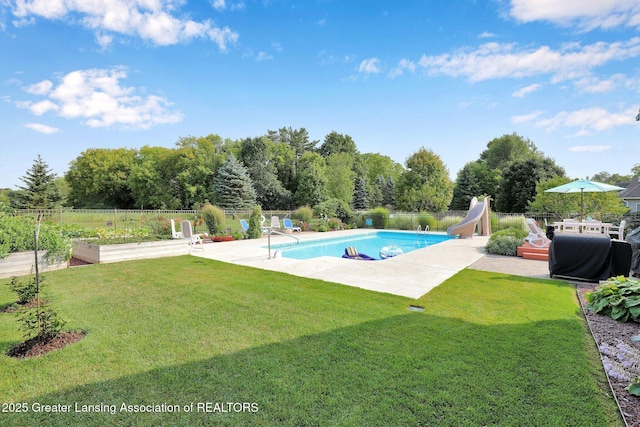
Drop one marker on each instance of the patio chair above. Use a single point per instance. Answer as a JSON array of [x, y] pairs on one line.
[[245, 226], [275, 222], [187, 234], [593, 227], [289, 226], [570, 226], [616, 231], [175, 234], [536, 237]]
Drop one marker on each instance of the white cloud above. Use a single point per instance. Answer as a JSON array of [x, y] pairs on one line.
[[403, 65], [97, 98], [587, 15], [40, 108], [369, 66], [525, 118], [495, 60], [38, 127], [486, 35], [41, 88], [218, 4], [262, 56], [590, 148], [523, 91], [586, 120], [151, 20]]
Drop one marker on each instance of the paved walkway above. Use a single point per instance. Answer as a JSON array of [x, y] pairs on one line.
[[412, 274]]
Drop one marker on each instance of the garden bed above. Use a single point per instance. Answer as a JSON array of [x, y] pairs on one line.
[[102, 254], [23, 263]]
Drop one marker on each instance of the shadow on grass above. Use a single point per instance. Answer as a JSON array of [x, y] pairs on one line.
[[410, 369]]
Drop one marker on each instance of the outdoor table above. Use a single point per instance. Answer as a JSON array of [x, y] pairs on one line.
[[558, 226]]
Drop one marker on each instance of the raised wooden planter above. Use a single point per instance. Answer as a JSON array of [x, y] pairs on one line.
[[23, 263], [103, 254]]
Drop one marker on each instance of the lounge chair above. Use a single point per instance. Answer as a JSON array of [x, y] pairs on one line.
[[175, 234], [187, 234], [616, 231], [289, 226], [536, 237], [352, 253], [245, 227], [275, 222]]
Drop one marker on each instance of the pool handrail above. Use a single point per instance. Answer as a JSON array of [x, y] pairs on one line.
[[272, 231]]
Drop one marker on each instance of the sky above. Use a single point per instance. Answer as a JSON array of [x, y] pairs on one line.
[[447, 75]]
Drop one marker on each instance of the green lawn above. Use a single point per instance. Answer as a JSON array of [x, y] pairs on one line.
[[489, 349]]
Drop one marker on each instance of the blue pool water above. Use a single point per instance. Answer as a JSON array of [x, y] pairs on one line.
[[367, 243]]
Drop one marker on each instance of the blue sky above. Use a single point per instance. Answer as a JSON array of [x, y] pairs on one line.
[[449, 75]]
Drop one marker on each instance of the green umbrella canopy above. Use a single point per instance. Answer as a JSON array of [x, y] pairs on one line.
[[582, 185]]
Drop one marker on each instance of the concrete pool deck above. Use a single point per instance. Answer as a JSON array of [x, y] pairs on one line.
[[412, 275]]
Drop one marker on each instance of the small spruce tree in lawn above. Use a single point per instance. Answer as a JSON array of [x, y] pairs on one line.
[[40, 190], [232, 186]]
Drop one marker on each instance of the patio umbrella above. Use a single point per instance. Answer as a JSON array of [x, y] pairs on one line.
[[582, 185]]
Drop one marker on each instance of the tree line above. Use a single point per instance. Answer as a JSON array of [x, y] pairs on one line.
[[284, 169]]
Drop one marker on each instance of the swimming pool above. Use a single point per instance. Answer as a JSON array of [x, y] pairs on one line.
[[367, 243]]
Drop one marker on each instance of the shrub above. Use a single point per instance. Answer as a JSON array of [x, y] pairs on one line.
[[335, 224], [448, 221], [402, 222], [44, 324], [513, 232], [379, 217], [334, 208], [17, 234], [26, 291], [427, 220], [504, 245], [618, 298], [214, 218], [304, 214], [255, 228], [509, 221]]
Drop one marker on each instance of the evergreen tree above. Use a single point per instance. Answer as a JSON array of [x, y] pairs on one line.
[[360, 200], [378, 191], [389, 193], [41, 191], [232, 186]]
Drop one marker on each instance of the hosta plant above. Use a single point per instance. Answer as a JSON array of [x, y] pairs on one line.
[[618, 298]]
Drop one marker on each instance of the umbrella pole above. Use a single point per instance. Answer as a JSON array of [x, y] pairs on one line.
[[581, 204]]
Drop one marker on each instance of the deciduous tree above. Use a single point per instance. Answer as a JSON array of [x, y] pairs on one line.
[[425, 185]]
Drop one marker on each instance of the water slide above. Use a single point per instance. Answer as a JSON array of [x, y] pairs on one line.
[[478, 215]]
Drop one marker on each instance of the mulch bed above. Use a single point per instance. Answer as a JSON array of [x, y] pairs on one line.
[[34, 347], [606, 330]]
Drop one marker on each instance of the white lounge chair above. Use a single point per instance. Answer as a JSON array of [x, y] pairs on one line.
[[536, 237], [616, 231], [175, 234], [275, 222], [289, 226], [187, 234]]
